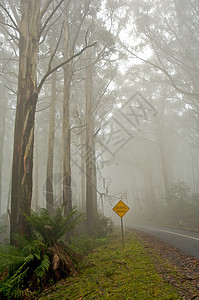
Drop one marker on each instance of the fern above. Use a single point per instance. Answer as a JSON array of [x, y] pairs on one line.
[[18, 276], [39, 222], [43, 267], [22, 261], [12, 288], [50, 229], [11, 256], [30, 264], [62, 225], [28, 246]]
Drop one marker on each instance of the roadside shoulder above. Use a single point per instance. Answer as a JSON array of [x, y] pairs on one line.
[[177, 268]]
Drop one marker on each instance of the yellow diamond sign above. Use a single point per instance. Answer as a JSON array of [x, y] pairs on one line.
[[121, 208]]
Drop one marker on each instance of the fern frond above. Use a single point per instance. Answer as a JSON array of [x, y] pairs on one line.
[[43, 267], [18, 276], [62, 225], [50, 229], [40, 224], [11, 256], [26, 246]]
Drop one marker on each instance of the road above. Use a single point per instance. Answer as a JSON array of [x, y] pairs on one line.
[[186, 241]]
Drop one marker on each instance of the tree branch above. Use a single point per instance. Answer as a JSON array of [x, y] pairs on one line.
[[11, 18], [80, 25], [9, 25], [163, 69], [14, 13], [51, 15], [104, 91], [8, 34], [44, 37], [45, 7], [54, 52], [49, 72]]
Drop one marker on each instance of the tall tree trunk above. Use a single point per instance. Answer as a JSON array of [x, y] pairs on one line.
[[3, 116], [135, 192], [94, 181], [51, 137], [35, 200], [67, 192], [83, 177], [163, 164], [90, 216], [152, 196], [25, 117], [22, 167], [193, 171]]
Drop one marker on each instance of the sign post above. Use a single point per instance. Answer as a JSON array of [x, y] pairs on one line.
[[121, 209]]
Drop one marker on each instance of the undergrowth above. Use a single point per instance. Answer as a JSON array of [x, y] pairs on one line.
[[35, 263], [111, 272]]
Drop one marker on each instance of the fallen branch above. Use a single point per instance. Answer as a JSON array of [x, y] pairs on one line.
[[86, 295]]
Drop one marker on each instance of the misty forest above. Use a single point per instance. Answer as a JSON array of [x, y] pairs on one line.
[[99, 103]]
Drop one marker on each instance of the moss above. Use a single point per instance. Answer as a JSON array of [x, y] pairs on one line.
[[112, 272]]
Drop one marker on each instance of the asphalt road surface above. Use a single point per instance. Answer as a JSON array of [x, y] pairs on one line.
[[186, 241]]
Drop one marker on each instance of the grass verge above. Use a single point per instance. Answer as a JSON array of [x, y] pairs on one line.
[[111, 272]]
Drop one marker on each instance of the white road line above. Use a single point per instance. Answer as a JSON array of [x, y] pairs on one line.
[[187, 236]]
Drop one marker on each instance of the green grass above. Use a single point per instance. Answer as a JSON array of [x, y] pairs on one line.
[[112, 272]]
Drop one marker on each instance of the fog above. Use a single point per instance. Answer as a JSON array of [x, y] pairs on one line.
[[118, 120]]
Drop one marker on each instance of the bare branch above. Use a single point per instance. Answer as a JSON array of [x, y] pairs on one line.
[[9, 25], [13, 91], [14, 13], [45, 7], [80, 25], [46, 107], [8, 34], [7, 62], [51, 15], [11, 18], [86, 36], [104, 91], [54, 52], [163, 69], [44, 37], [49, 72], [77, 127]]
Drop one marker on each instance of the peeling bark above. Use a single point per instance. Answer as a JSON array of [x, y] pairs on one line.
[[25, 117]]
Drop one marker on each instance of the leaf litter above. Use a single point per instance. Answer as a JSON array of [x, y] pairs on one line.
[[177, 268]]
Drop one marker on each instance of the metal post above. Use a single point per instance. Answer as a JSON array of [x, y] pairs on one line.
[[122, 233]]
